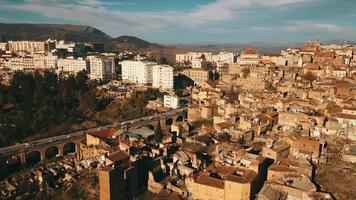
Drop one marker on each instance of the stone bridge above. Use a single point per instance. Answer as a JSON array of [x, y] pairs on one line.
[[16, 157]]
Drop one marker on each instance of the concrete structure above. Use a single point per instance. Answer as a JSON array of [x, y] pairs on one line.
[[3, 46], [137, 71], [162, 77], [72, 66], [249, 57], [190, 56], [225, 183], [28, 46], [101, 68], [171, 101], [199, 76]]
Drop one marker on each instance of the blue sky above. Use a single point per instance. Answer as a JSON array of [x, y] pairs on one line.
[[197, 21]]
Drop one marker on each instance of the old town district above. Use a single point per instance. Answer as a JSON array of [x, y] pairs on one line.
[[255, 127]]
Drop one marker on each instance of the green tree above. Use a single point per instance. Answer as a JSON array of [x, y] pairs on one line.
[[158, 132]]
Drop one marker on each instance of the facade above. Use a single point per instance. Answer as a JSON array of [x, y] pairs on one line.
[[45, 61], [101, 68], [71, 66], [190, 56], [199, 76], [28, 46], [3, 46], [249, 57], [137, 71], [162, 77], [170, 101], [20, 63]]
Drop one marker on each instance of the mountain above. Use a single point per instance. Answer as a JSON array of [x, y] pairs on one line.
[[131, 43], [55, 31]]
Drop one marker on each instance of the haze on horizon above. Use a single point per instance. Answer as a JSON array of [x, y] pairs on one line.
[[194, 21]]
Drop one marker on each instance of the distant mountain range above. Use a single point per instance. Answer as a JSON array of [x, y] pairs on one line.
[[76, 33]]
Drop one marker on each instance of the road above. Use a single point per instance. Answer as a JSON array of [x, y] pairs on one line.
[[17, 148]]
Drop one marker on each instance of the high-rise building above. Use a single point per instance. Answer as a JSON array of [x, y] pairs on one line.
[[137, 71], [101, 68], [162, 77]]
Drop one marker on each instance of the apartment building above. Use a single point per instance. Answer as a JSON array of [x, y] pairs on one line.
[[170, 101], [72, 66], [162, 77], [28, 46], [101, 68], [198, 75], [137, 71]]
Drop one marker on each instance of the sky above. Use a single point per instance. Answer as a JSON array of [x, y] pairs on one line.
[[197, 21]]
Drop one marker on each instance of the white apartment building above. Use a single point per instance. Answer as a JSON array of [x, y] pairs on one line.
[[170, 101], [3, 46], [101, 68], [20, 63], [45, 61], [28, 46], [162, 77], [197, 63], [190, 56], [223, 58], [71, 66], [137, 71]]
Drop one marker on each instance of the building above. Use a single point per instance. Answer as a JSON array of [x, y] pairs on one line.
[[137, 71], [71, 66], [3, 46], [20, 63], [223, 58], [162, 77], [170, 101], [190, 56], [101, 68], [225, 183], [199, 76], [45, 61], [28, 46], [249, 57]]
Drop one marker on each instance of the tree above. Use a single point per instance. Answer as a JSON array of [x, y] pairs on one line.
[[158, 132], [310, 77]]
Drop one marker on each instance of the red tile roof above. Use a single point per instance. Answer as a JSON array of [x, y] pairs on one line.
[[105, 133]]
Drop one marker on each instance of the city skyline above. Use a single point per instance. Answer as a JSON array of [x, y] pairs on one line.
[[218, 21]]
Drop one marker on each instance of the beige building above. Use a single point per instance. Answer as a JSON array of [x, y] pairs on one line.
[[28, 46], [198, 75], [224, 183]]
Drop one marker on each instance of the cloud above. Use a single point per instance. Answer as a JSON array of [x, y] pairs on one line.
[[114, 22], [306, 26]]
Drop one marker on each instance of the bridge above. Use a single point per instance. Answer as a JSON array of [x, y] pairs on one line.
[[13, 158]]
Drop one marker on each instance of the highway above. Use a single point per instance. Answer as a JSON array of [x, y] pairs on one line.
[[17, 148]]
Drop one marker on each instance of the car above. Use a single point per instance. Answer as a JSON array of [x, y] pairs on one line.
[[50, 140], [27, 144], [68, 136]]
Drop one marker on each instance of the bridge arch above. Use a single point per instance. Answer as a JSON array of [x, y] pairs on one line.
[[33, 157], [51, 152], [69, 147], [169, 121]]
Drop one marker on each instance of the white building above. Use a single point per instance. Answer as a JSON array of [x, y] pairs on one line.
[[190, 56], [101, 68], [3, 46], [137, 71], [170, 101], [28, 46], [71, 66], [45, 61], [223, 58], [20, 63], [197, 63], [162, 77]]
